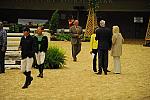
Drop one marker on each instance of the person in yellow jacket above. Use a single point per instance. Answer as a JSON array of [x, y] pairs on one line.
[[94, 50]]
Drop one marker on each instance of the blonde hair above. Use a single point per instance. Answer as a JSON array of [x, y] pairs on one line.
[[115, 29]]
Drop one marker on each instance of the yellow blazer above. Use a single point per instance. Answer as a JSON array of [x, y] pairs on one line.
[[93, 42]]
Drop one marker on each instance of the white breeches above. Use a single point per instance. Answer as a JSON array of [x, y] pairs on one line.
[[26, 64], [40, 57], [117, 64]]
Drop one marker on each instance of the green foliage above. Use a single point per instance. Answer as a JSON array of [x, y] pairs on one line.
[[86, 38], [55, 58], [40, 24], [92, 3], [63, 37], [11, 28], [54, 22], [46, 25], [15, 28]]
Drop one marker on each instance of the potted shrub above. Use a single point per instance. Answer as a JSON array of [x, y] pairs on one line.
[[55, 58]]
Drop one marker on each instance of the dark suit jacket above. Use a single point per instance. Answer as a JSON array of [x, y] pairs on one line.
[[75, 39], [104, 37], [27, 46]]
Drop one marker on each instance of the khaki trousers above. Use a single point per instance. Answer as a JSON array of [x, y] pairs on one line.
[[26, 64]]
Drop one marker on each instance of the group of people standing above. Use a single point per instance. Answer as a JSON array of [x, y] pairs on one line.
[[102, 41]]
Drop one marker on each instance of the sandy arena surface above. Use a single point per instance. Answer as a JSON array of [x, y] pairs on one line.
[[77, 81]]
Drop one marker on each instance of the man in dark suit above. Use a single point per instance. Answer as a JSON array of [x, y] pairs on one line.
[[76, 33], [104, 37]]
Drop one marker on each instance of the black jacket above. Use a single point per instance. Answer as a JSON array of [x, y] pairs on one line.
[[43, 42], [28, 46], [104, 37]]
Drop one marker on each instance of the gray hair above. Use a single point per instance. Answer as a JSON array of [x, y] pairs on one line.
[[102, 23]]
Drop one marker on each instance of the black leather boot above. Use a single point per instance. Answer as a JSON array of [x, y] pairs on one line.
[[99, 71], [26, 81], [105, 72], [41, 67], [40, 70], [29, 77]]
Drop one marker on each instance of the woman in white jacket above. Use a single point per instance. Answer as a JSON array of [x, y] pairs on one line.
[[116, 50]]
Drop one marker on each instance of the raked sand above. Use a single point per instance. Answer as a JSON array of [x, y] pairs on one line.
[[77, 81]]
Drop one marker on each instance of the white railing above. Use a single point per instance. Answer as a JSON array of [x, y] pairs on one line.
[[58, 30], [13, 55]]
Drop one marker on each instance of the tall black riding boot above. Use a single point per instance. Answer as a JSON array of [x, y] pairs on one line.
[[29, 77], [41, 67], [26, 81]]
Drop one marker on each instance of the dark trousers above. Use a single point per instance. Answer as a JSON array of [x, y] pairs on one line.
[[94, 51], [103, 60], [76, 48], [2, 60]]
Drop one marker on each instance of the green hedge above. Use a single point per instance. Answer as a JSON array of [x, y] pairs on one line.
[[86, 38], [63, 37], [15, 28]]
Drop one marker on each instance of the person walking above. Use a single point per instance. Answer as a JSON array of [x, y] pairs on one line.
[[28, 48], [76, 34], [42, 42]]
